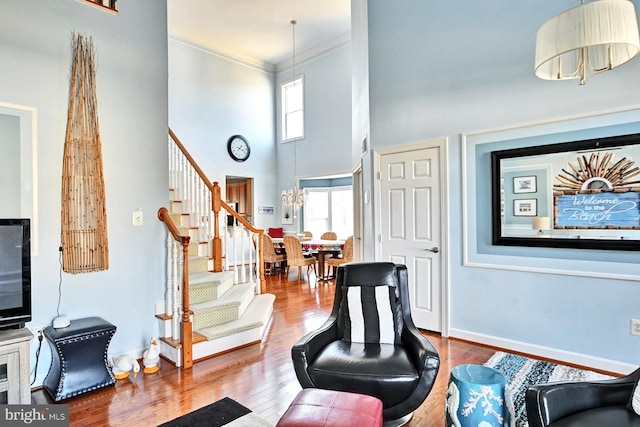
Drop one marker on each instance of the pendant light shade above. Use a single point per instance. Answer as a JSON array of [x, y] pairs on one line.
[[586, 40]]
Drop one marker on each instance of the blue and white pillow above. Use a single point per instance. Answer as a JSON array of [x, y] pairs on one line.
[[371, 315]]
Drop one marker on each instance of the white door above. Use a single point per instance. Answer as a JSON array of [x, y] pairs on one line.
[[410, 227]]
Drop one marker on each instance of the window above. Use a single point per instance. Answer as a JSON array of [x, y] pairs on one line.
[[329, 209], [293, 109]]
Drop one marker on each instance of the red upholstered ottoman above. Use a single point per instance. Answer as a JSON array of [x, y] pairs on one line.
[[314, 407]]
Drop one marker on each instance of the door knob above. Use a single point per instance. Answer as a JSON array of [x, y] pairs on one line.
[[434, 249]]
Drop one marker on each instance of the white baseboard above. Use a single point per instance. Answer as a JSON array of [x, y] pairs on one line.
[[545, 352]]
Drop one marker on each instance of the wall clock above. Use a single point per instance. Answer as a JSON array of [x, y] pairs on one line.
[[238, 148]]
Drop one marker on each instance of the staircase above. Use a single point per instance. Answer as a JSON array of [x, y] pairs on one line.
[[211, 267]]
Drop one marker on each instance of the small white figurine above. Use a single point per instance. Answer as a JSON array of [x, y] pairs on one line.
[[150, 357], [122, 365]]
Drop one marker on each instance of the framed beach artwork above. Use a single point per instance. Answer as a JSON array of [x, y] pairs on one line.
[[589, 188], [525, 207], [525, 184]]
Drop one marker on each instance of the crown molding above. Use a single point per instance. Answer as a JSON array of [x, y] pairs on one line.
[[301, 58], [315, 52], [246, 61]]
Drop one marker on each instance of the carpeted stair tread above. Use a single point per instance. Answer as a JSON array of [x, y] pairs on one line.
[[194, 246], [205, 286], [234, 296], [228, 307], [253, 317], [198, 264], [175, 216]]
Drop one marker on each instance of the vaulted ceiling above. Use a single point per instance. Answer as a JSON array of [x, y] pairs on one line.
[[260, 31]]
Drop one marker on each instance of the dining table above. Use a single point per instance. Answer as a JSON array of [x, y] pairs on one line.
[[316, 246]]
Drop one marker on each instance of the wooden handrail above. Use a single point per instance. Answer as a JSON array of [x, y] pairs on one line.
[[186, 330], [211, 186], [164, 216], [191, 160], [239, 217]]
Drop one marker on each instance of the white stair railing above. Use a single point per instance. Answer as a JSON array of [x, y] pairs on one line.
[[234, 248], [195, 193], [241, 253]]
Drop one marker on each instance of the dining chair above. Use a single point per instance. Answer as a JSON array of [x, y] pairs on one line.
[[295, 256], [269, 255], [347, 256], [308, 234], [329, 235]]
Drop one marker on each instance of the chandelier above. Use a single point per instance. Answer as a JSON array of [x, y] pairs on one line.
[[294, 197]]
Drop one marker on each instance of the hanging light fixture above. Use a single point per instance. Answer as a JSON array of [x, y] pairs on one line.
[[588, 39], [294, 197]]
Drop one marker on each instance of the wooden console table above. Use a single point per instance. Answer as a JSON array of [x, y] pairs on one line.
[[15, 387]]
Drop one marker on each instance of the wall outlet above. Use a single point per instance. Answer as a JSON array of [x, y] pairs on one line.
[[635, 326]]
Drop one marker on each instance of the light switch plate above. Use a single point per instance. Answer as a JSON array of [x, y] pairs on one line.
[[138, 217]]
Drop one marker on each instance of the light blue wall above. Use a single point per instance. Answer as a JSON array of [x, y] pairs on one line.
[[212, 98], [131, 51], [442, 71], [326, 148], [429, 70]]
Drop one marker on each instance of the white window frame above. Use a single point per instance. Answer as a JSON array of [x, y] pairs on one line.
[[286, 113], [329, 191]]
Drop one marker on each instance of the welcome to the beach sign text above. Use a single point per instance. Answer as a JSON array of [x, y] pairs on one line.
[[598, 210]]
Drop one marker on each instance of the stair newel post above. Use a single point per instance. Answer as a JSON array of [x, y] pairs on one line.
[[217, 241], [186, 337]]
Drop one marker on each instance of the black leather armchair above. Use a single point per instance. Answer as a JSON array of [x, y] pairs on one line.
[[583, 404], [400, 374]]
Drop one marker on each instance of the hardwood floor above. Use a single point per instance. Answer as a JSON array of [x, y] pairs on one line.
[[261, 376]]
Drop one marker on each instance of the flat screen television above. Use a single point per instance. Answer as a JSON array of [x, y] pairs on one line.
[[15, 272]]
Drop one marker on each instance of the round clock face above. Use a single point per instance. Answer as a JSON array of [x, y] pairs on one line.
[[238, 148]]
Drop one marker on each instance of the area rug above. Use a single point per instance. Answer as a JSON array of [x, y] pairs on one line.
[[522, 372], [225, 412]]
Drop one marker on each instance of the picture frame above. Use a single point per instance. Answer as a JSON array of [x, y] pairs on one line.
[[525, 184], [106, 4], [265, 210], [618, 234], [287, 215], [525, 207]]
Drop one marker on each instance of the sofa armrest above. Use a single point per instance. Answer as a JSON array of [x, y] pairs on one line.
[[547, 403]]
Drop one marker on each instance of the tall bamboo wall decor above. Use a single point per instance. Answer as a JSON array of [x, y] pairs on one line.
[[84, 220]]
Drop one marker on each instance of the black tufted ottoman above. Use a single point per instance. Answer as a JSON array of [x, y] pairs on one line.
[[79, 358]]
